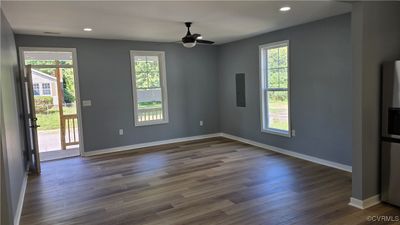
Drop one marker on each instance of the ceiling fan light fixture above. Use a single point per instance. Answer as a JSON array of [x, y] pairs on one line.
[[189, 44], [190, 40]]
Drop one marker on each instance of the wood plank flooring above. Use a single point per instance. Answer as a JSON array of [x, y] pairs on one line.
[[212, 181]]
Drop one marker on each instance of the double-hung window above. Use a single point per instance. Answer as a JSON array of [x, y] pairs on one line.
[[149, 87], [36, 89], [274, 88], [46, 89]]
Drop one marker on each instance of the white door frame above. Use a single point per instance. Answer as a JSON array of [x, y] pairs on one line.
[[76, 82]]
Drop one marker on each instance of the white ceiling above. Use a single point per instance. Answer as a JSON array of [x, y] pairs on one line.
[[163, 21]]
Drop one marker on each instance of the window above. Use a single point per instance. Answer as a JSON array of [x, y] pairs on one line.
[[46, 89], [36, 89], [274, 88], [149, 87]]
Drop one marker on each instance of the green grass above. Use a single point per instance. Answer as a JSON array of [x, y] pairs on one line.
[[51, 120], [281, 125], [149, 105], [278, 107]]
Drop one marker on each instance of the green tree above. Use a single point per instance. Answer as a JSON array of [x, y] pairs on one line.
[[68, 87], [147, 73], [277, 59]]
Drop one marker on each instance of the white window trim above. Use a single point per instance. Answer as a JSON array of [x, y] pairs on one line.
[[163, 82], [263, 101]]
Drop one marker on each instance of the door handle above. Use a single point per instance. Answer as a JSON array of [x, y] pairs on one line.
[[34, 119]]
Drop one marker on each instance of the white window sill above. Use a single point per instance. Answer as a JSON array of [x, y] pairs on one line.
[[150, 123], [277, 132]]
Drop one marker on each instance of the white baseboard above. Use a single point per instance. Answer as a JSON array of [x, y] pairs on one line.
[[149, 144], [290, 153], [363, 204], [18, 213], [198, 137]]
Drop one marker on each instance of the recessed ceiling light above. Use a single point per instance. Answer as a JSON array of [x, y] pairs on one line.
[[284, 9], [87, 29]]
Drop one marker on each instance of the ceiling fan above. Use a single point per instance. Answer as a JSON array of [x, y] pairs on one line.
[[190, 40]]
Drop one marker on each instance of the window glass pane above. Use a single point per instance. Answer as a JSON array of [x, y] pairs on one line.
[[42, 79], [153, 62], [273, 58], [149, 104], [283, 57], [147, 72], [47, 58], [283, 78], [278, 110], [68, 85], [154, 79], [44, 72], [277, 78], [141, 80], [273, 78], [148, 88]]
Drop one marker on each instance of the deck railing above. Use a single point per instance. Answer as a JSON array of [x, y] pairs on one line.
[[150, 114], [70, 130]]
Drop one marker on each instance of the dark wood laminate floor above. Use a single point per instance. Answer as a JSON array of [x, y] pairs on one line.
[[213, 181]]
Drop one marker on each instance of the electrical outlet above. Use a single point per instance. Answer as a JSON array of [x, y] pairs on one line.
[[201, 123], [121, 131], [293, 133], [86, 103]]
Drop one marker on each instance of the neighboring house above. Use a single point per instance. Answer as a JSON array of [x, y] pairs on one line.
[[44, 85]]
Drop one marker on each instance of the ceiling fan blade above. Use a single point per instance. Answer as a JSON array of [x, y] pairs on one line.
[[205, 42], [196, 35]]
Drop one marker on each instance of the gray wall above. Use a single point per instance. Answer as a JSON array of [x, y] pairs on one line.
[[376, 39], [105, 79], [10, 124], [5, 215], [320, 63]]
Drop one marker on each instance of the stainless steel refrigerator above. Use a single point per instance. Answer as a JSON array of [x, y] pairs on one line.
[[390, 144]]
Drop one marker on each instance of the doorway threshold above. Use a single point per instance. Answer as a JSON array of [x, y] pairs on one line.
[[59, 154]]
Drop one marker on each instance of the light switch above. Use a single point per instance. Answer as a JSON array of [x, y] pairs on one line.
[[86, 103]]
